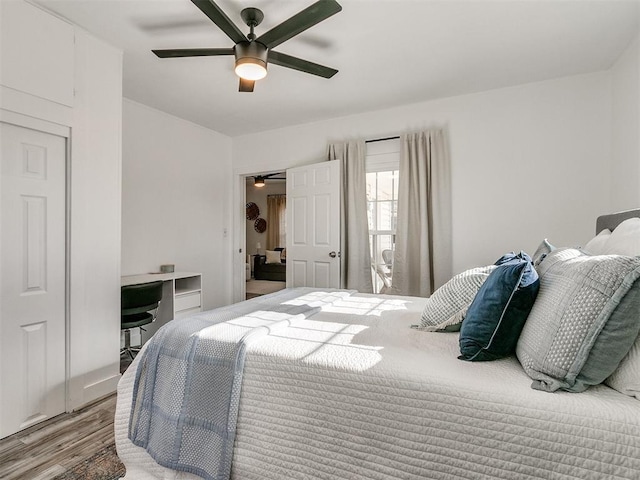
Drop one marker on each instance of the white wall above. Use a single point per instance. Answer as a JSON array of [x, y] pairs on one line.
[[45, 51], [176, 199], [528, 162], [625, 126]]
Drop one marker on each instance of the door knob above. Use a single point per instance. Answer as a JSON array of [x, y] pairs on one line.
[[332, 254]]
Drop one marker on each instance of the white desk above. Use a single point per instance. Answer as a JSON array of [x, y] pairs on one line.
[[181, 297]]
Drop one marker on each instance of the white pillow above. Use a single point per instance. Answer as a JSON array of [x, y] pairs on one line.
[[597, 244], [626, 378], [625, 239], [273, 256]]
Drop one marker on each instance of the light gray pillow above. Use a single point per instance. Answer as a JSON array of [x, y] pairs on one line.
[[544, 249], [447, 306], [578, 295]]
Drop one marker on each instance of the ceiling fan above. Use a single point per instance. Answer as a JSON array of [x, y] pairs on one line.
[[253, 53], [259, 179]]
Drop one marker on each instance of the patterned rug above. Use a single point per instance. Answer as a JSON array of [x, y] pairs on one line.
[[104, 465]]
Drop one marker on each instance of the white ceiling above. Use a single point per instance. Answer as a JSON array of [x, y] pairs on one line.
[[388, 53]]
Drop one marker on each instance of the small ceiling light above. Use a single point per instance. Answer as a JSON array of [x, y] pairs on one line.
[[245, 68], [259, 181], [251, 60]]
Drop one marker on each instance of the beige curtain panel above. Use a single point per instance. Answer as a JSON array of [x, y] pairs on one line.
[[276, 214], [354, 226], [422, 260]]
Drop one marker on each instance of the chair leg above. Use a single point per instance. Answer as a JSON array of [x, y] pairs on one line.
[[127, 345]]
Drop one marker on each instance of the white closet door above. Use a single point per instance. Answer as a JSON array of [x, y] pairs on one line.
[[313, 225], [32, 276]]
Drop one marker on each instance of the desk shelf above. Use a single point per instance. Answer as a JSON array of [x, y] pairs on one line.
[[188, 284]]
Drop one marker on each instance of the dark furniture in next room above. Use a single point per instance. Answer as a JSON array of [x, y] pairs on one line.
[[269, 271]]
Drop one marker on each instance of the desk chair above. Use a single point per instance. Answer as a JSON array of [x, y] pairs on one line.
[[139, 306]]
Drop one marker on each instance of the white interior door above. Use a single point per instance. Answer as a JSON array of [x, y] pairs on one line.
[[313, 225], [32, 266]]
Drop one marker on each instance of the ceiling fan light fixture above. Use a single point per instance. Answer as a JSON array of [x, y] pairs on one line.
[[251, 60], [251, 51], [259, 181], [251, 69]]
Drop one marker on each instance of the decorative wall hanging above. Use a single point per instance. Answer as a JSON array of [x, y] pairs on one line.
[[260, 225], [252, 211]]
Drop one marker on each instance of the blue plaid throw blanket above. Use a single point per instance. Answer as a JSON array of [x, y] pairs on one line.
[[188, 379]]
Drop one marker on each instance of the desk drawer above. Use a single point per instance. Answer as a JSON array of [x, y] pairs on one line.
[[187, 301], [188, 313]]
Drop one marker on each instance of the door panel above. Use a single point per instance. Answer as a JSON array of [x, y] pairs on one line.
[[299, 213], [297, 275], [323, 217], [32, 265], [313, 218], [322, 274]]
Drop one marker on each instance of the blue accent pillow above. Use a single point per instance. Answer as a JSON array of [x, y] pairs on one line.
[[499, 310]]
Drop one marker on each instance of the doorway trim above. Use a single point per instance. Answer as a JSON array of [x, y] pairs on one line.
[[239, 239], [25, 121]]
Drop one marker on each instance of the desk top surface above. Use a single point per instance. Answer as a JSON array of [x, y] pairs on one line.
[[154, 277]]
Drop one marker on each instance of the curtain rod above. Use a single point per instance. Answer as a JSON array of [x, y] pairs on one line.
[[382, 139]]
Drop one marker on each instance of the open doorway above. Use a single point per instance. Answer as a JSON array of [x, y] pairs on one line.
[[265, 238]]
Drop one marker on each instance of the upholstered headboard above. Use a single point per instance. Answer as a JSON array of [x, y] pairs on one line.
[[612, 220]]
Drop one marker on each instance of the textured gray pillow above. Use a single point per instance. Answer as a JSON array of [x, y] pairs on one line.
[[615, 340], [447, 306], [578, 294]]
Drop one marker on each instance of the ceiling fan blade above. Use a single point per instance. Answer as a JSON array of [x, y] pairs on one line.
[[305, 66], [217, 16], [193, 52], [246, 85], [313, 14]]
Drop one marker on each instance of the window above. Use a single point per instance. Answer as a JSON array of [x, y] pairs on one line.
[[382, 164]]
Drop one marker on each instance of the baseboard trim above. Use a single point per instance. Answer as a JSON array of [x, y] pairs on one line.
[[102, 387], [97, 390]]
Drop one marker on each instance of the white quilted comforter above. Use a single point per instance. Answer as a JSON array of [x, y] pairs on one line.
[[353, 393]]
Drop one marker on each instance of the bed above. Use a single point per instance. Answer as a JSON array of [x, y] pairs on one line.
[[344, 389]]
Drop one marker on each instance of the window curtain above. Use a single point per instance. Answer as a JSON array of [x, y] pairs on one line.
[[422, 259], [354, 227], [276, 215]]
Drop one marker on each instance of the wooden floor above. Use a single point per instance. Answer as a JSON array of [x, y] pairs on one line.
[[263, 287], [51, 448]]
